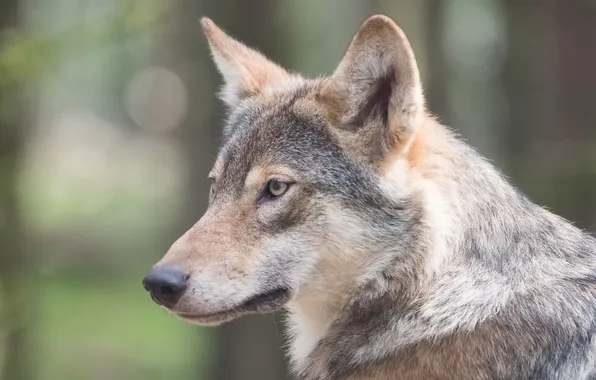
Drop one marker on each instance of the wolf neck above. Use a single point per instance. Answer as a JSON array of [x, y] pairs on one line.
[[447, 176]]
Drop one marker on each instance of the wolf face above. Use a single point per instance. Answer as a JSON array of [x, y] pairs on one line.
[[311, 175], [398, 251]]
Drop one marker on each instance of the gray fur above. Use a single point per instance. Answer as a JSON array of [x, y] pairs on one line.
[[399, 252], [545, 330]]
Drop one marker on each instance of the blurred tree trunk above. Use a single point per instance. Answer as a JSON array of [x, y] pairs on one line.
[[13, 299], [250, 348], [438, 71], [526, 82], [551, 86], [574, 57]]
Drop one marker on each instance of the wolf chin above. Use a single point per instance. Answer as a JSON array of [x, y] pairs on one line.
[[397, 250]]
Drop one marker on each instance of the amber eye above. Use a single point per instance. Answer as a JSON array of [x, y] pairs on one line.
[[276, 188]]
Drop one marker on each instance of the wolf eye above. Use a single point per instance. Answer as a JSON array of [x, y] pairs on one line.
[[277, 188], [274, 189]]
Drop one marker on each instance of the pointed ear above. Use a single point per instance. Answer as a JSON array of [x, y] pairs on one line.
[[376, 90], [245, 71]]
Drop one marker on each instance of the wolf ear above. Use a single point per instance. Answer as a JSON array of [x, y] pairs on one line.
[[376, 90], [245, 71]]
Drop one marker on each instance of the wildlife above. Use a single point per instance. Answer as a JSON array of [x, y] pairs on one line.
[[396, 250]]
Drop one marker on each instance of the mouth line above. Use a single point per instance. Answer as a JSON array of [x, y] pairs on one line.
[[261, 303], [271, 298], [208, 318]]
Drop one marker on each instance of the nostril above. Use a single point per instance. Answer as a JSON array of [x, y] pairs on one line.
[[167, 291]]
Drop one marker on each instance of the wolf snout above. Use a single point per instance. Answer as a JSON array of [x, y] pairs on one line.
[[166, 284]]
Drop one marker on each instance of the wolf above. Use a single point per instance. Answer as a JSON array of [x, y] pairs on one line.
[[397, 251]]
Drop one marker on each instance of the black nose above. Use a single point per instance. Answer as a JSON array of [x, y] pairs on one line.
[[166, 284]]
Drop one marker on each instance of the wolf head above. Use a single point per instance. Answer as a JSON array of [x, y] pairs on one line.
[[310, 183]]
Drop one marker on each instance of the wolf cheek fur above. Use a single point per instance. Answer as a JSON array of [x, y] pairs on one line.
[[397, 250]]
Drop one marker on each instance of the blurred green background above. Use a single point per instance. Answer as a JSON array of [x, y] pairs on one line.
[[109, 124]]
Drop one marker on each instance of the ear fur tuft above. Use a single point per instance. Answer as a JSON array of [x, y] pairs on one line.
[[245, 70]]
